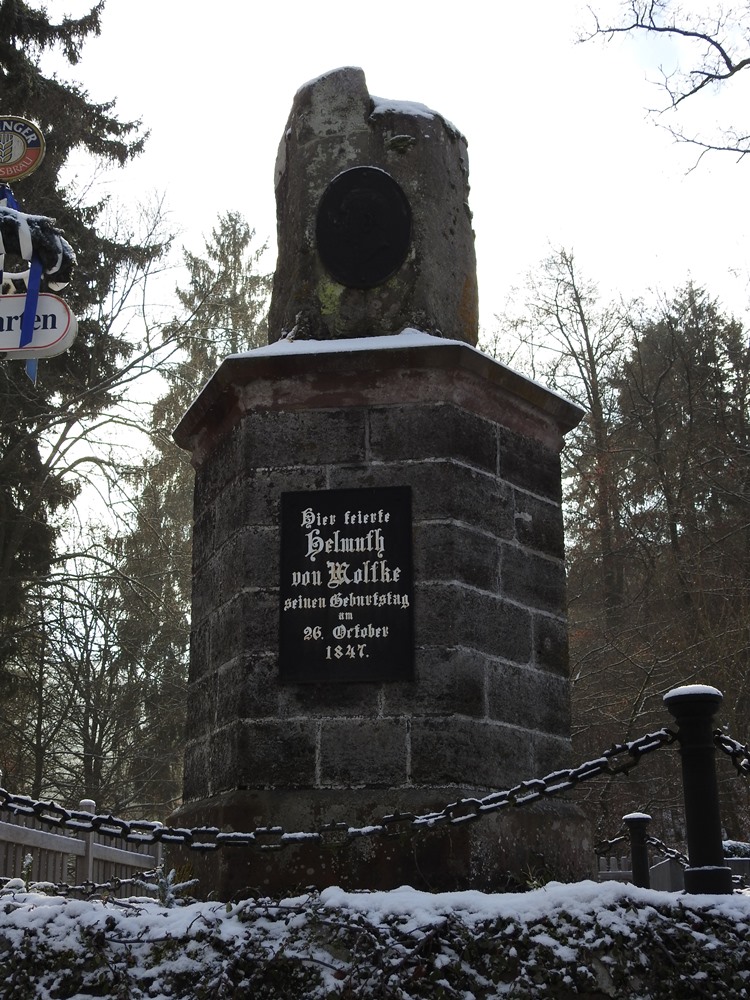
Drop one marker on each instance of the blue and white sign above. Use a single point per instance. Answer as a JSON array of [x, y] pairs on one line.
[[54, 330]]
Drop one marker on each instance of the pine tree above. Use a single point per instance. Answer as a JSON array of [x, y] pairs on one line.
[[680, 429], [225, 301], [225, 305], [100, 704], [38, 423], [684, 392], [657, 511]]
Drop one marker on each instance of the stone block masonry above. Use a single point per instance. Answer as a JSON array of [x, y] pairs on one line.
[[478, 445]]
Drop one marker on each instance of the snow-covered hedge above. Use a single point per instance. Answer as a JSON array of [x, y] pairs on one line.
[[736, 849], [608, 940]]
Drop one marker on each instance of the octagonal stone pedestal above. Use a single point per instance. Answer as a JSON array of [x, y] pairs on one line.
[[479, 447]]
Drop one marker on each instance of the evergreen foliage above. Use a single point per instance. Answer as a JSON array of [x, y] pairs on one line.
[[99, 710], [657, 508], [678, 465], [38, 423], [225, 302]]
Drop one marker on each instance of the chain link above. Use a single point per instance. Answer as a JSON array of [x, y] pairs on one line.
[[605, 847], [668, 852], [739, 752], [88, 888], [618, 759]]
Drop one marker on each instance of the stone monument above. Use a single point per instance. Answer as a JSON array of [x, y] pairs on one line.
[[379, 588], [374, 227]]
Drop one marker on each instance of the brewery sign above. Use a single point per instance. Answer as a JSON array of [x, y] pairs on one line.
[[346, 594], [21, 148]]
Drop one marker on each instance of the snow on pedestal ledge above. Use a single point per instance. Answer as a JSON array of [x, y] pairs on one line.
[[388, 342]]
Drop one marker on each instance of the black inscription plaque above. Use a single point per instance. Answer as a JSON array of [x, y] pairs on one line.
[[346, 590]]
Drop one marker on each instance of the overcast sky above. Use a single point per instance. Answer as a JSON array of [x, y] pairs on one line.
[[561, 149]]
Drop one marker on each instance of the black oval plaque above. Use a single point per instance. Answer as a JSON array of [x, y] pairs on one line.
[[363, 228]]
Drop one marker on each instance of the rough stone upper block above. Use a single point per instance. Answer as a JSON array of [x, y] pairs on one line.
[[336, 125]]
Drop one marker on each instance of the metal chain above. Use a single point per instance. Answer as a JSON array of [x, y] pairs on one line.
[[618, 759], [605, 847], [668, 852], [89, 888], [739, 752]]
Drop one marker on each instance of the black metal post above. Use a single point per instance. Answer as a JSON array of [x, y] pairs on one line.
[[637, 824], [694, 707]]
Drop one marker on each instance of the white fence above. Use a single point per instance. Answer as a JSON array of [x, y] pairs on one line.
[[77, 858]]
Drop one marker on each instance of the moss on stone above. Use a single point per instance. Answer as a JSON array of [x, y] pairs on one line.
[[328, 293]]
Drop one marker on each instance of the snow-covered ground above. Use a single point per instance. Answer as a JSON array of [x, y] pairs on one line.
[[604, 940]]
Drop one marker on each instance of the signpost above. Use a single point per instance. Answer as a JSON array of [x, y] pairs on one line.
[[346, 590], [35, 324]]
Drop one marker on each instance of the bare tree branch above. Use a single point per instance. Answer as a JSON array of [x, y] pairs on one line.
[[716, 49]]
